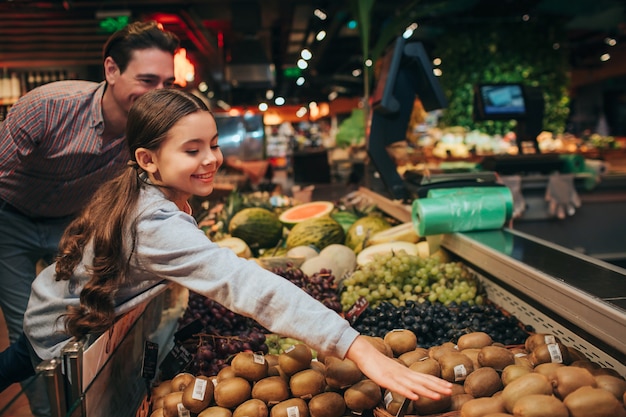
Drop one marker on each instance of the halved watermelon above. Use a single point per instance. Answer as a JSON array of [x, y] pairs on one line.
[[306, 211]]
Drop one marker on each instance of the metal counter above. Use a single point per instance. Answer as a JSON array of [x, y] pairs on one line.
[[584, 295]]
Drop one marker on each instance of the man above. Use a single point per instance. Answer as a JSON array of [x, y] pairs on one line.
[[61, 141]]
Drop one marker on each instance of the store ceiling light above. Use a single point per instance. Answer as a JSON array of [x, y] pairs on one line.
[[605, 57], [306, 54], [320, 35]]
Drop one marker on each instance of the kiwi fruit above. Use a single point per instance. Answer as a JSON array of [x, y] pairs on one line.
[[455, 366], [415, 355], [393, 402], [158, 412], [576, 355], [288, 408], [425, 406], [548, 369], [231, 392], [295, 359], [158, 402], [251, 408], [512, 372], [550, 352], [198, 395], [216, 411], [171, 403], [589, 401], [457, 401], [531, 383], [435, 352], [318, 366], [401, 341], [327, 404], [474, 340], [271, 390], [380, 345], [427, 366], [480, 407], [180, 381], [585, 363], [225, 372], [483, 382], [537, 405], [538, 339], [341, 373], [495, 357], [458, 389], [307, 383], [612, 384], [568, 379], [472, 353], [250, 366], [364, 395], [160, 390], [523, 360], [606, 371]]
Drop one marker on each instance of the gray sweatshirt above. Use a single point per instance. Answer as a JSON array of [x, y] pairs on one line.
[[171, 247]]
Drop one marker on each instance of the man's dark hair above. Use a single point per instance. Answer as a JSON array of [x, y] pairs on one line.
[[138, 36]]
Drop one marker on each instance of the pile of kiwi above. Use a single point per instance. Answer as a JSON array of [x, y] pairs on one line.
[[543, 377], [288, 384]]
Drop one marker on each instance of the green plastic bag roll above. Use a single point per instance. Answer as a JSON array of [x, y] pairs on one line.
[[504, 191], [458, 213]]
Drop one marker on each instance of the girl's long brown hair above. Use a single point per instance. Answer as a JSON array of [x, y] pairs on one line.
[[108, 220]]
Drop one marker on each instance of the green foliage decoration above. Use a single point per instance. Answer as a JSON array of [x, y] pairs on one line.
[[533, 53]]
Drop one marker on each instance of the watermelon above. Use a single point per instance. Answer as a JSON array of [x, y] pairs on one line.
[[345, 219], [258, 227], [301, 212], [318, 232]]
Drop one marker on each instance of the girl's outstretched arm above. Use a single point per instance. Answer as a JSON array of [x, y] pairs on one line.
[[394, 376]]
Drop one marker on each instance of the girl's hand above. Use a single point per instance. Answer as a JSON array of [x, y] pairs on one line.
[[394, 376]]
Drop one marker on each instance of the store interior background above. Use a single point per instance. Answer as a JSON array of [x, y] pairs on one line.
[[241, 50]]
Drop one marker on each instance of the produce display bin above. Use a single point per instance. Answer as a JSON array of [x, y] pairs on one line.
[[579, 299]]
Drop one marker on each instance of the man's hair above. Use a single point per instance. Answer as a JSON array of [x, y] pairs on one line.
[[137, 36]]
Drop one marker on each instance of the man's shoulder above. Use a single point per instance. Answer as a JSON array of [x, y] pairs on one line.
[[64, 90]]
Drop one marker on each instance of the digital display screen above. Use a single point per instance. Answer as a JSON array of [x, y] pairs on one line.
[[498, 100]]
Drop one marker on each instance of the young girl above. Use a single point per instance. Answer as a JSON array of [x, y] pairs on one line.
[[138, 231]]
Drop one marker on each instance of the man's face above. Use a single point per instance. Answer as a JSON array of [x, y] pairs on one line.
[[148, 69]]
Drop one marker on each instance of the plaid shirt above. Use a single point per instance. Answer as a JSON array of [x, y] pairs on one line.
[[52, 155]]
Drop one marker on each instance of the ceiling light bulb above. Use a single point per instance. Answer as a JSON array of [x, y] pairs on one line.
[[302, 64], [610, 41], [300, 81], [263, 106], [605, 57], [320, 14], [301, 112], [437, 61], [369, 63], [306, 54], [320, 35], [279, 101]]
